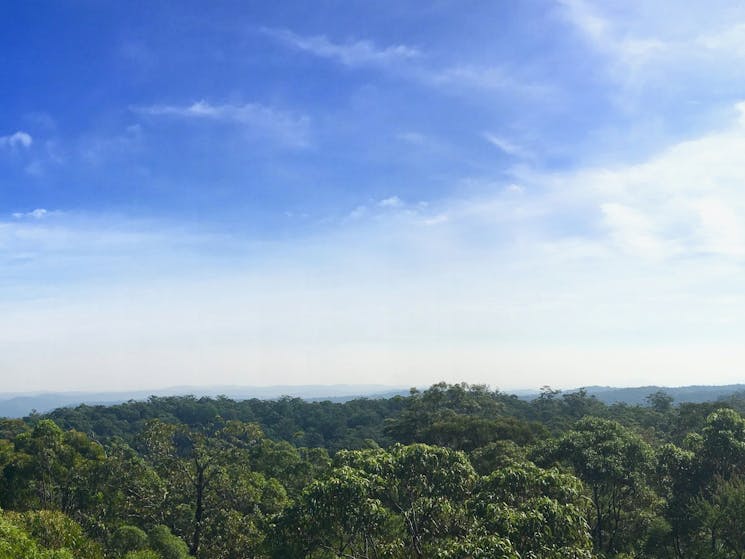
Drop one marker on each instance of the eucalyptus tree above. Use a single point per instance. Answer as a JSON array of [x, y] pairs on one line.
[[50, 469], [214, 499], [615, 464], [542, 513]]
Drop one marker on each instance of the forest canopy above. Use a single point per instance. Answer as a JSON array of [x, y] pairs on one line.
[[453, 471]]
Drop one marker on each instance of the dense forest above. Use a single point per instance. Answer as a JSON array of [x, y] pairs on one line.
[[451, 472]]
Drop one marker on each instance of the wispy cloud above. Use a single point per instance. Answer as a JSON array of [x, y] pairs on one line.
[[504, 145], [391, 202], [97, 150], [635, 231], [17, 139], [353, 53], [627, 48], [647, 47], [614, 261], [289, 128], [38, 213], [684, 202], [481, 78], [729, 39], [407, 62]]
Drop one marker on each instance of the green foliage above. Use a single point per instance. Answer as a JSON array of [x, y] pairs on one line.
[[340, 514], [50, 469], [215, 500], [541, 512], [615, 464], [475, 546], [425, 501], [128, 490], [304, 424], [660, 401], [43, 536], [55, 530], [128, 538], [143, 554], [166, 544], [15, 543], [461, 416], [442, 473], [496, 455]]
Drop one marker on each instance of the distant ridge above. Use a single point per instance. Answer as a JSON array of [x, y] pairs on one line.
[[638, 394], [21, 405]]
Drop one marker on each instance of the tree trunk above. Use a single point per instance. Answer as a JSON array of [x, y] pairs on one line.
[[198, 511]]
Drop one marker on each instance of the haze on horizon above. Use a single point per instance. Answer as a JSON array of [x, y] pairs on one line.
[[513, 193]]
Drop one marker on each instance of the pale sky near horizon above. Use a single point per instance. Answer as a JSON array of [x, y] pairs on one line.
[[516, 193]]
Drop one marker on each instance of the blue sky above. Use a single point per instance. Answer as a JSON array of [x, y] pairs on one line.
[[515, 193]]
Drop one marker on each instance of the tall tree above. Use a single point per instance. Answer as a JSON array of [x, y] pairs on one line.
[[615, 464]]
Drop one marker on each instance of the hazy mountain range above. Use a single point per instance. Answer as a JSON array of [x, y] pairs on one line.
[[22, 404]]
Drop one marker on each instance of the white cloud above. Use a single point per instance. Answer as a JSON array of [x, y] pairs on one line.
[[286, 127], [627, 48], [17, 139], [407, 62], [688, 198], [355, 53], [38, 213], [729, 39], [622, 274], [391, 202], [686, 201], [690, 54], [437, 219], [482, 78], [634, 231], [504, 145], [357, 213], [721, 227]]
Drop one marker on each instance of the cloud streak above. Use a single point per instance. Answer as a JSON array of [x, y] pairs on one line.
[[352, 54], [504, 145], [467, 77], [290, 129], [410, 63], [628, 49], [38, 213]]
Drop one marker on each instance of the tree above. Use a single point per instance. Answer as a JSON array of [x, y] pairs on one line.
[[615, 463], [441, 402], [694, 482], [722, 445], [51, 469], [167, 545], [722, 517], [130, 492], [341, 515], [660, 401], [128, 538], [44, 535], [428, 487], [211, 488], [542, 513]]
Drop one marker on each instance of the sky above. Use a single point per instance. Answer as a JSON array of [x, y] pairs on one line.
[[515, 193]]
